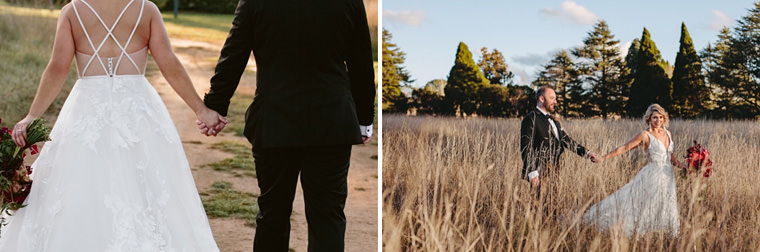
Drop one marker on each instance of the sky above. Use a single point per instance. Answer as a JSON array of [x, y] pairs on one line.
[[528, 33]]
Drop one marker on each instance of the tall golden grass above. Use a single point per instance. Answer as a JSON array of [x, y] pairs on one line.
[[453, 185]]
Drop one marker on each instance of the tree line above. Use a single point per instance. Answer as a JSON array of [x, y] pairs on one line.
[[595, 79]]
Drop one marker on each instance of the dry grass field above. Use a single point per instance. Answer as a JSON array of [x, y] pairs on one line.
[[453, 185]]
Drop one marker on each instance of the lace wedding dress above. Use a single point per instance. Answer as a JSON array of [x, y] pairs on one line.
[[648, 202], [114, 177]]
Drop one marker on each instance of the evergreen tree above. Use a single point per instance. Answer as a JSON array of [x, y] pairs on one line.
[[632, 55], [721, 68], [746, 49], [427, 101], [631, 60], [394, 76], [689, 90], [494, 67], [493, 101], [559, 74], [601, 67], [651, 84], [465, 78], [521, 100]]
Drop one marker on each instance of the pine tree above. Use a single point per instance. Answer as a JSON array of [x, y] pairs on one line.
[[601, 67], [559, 74], [651, 84], [465, 78], [494, 67], [746, 48], [632, 55], [720, 66], [394, 76], [689, 90]]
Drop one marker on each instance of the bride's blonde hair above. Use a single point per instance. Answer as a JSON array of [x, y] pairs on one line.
[[652, 108]]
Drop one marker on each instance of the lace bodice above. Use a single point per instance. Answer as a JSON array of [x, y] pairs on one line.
[[656, 151]]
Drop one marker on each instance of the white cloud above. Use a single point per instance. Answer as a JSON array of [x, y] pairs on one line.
[[521, 76], [572, 12], [624, 48], [719, 20], [411, 18], [531, 59]]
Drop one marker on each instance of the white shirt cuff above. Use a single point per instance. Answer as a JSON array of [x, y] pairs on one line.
[[366, 130], [532, 174]]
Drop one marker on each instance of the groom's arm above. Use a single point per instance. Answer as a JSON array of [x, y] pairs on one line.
[[233, 59], [360, 67], [527, 129], [570, 143]]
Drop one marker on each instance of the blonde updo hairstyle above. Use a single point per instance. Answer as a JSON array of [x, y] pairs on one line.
[[652, 108]]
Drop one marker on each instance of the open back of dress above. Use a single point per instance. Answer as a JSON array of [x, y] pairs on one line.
[[110, 40]]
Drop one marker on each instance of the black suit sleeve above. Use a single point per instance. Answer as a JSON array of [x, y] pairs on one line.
[[569, 143], [360, 66], [527, 129], [233, 59]]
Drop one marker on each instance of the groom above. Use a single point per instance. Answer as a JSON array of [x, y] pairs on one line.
[[315, 96], [542, 140]]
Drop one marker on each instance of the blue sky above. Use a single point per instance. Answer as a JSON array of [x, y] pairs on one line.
[[528, 33]]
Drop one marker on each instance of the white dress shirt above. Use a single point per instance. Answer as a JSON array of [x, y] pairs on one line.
[[551, 122]]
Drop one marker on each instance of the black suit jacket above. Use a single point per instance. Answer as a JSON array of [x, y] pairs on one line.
[[539, 148], [315, 75]]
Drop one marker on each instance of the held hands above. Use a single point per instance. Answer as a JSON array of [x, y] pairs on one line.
[[19, 131], [595, 157], [210, 123]]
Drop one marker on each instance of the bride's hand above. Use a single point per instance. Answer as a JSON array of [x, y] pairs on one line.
[[19, 131], [210, 122]]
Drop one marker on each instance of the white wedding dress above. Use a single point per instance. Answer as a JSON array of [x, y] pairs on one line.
[[647, 203], [114, 176]]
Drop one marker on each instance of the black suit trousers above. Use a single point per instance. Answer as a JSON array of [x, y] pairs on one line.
[[323, 171]]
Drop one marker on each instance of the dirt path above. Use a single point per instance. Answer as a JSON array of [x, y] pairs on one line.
[[232, 234]]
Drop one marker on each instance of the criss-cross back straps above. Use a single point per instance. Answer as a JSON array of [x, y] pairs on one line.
[[110, 35]]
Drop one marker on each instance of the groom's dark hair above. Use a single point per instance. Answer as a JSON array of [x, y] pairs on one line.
[[541, 91]]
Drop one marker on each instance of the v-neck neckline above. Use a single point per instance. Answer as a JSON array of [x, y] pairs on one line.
[[658, 140]]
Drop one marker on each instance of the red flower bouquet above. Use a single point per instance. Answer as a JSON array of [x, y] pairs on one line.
[[697, 161], [15, 182]]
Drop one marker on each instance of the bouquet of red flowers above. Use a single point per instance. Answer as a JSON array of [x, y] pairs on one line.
[[15, 182], [697, 158]]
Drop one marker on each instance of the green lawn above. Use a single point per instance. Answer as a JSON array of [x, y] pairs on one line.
[[211, 28]]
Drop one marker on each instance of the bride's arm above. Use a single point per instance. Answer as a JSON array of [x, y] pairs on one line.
[[173, 70], [676, 163], [633, 143], [53, 77]]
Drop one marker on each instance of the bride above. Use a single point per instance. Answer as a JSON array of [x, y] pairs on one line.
[[114, 177], [648, 201]]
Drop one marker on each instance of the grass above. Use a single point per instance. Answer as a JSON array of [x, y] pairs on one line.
[[211, 28], [241, 163], [25, 55], [453, 185], [222, 201]]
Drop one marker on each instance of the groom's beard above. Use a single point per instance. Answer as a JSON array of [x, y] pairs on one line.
[[549, 109]]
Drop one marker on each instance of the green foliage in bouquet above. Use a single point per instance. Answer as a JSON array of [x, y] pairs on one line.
[[15, 183]]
